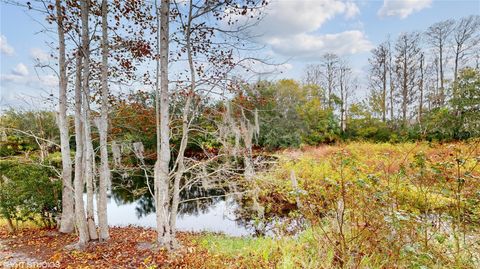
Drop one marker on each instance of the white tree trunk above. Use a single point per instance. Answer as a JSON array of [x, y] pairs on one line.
[[161, 173], [88, 147], [67, 218], [89, 161], [78, 180], [102, 125], [180, 166], [185, 128]]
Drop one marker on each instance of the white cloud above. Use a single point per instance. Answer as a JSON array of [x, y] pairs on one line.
[[40, 55], [402, 8], [21, 77], [20, 70], [351, 10], [291, 28], [314, 46], [294, 17], [5, 48], [50, 81], [18, 91]]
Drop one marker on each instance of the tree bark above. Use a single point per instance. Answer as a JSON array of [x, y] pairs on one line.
[[442, 89], [391, 80], [420, 87], [161, 173], [88, 147], [404, 86], [181, 166], [103, 132], [384, 90], [67, 218], [78, 180], [185, 127], [88, 159], [438, 36]]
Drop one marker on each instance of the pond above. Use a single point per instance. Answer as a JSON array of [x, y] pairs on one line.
[[218, 216], [213, 210]]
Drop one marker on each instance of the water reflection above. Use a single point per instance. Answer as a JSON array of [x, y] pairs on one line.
[[202, 209]]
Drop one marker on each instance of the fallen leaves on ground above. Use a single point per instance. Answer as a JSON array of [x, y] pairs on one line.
[[128, 247]]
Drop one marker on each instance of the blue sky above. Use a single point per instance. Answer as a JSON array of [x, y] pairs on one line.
[[296, 31]]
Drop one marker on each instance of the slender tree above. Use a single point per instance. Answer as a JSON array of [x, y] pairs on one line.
[[406, 61], [162, 170], [421, 83], [88, 162], [102, 124], [180, 160], [330, 64], [81, 221], [344, 84], [438, 36], [379, 69], [67, 218], [466, 35], [391, 76]]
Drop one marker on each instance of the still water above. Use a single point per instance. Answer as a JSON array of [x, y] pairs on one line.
[[130, 203], [218, 216]]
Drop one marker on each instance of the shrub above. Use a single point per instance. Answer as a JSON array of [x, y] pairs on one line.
[[29, 192]]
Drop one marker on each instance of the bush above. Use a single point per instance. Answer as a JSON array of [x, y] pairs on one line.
[[29, 192]]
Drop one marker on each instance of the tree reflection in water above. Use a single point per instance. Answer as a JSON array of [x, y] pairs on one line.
[[194, 198], [212, 206]]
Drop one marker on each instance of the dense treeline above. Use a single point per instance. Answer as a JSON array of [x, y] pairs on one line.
[[421, 86], [289, 113]]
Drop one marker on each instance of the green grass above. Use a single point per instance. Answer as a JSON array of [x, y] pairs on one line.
[[286, 252]]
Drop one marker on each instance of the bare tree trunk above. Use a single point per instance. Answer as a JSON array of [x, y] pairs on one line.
[[181, 164], [442, 89], [89, 160], [180, 169], [420, 87], [185, 128], [161, 173], [384, 91], [343, 88], [465, 37], [102, 125], [392, 83], [67, 218], [438, 36], [437, 87], [78, 180], [88, 147], [455, 69], [404, 88]]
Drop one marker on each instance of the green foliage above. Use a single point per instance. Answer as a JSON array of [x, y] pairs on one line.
[[320, 124], [29, 192], [439, 124], [15, 144], [466, 103], [290, 114], [280, 124], [19, 128], [362, 125]]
